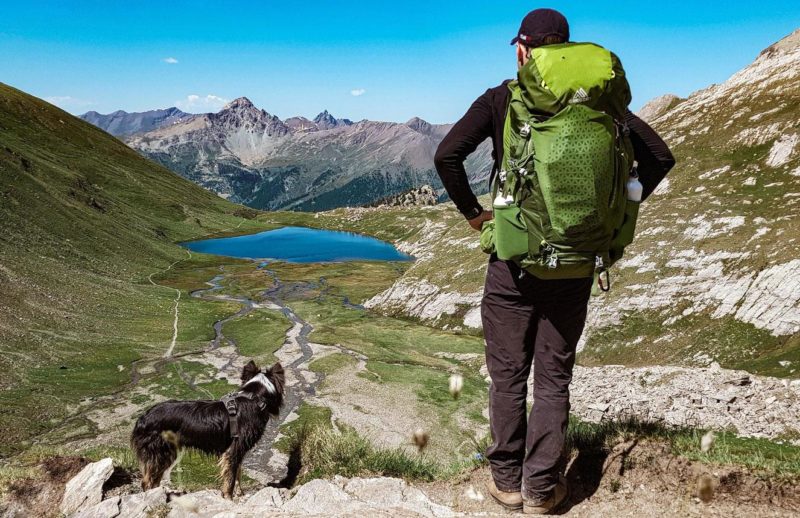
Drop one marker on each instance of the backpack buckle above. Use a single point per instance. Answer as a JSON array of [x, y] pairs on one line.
[[230, 403], [599, 264], [552, 261]]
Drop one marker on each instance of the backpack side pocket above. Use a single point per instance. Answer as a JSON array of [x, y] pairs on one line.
[[487, 237], [510, 233], [624, 235]]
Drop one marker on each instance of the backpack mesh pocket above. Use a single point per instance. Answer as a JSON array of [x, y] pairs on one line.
[[575, 168]]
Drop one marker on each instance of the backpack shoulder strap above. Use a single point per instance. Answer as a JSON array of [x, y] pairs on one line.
[[499, 121]]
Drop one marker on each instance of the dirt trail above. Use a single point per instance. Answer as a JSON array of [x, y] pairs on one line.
[[171, 347]]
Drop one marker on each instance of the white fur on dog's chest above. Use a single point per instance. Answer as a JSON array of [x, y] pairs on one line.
[[264, 381]]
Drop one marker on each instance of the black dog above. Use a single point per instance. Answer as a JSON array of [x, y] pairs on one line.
[[228, 428]]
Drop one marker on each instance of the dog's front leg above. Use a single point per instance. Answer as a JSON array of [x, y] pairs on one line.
[[239, 481], [230, 465]]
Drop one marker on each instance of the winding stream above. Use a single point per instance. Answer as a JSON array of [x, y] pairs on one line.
[[264, 463]]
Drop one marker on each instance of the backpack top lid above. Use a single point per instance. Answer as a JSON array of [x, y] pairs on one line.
[[574, 73]]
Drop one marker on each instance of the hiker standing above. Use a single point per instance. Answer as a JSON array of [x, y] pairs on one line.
[[565, 147]]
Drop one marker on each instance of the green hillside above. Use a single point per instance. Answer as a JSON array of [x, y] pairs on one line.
[[84, 221]]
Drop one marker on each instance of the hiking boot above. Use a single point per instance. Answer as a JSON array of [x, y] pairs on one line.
[[550, 504], [511, 500]]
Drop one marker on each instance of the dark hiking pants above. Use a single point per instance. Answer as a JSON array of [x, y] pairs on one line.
[[526, 319]]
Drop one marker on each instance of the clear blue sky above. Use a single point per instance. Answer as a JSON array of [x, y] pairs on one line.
[[405, 58]]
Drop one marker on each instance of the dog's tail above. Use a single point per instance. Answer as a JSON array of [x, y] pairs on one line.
[[155, 449]]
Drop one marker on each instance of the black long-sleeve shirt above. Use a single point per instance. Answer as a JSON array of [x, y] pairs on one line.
[[485, 119]]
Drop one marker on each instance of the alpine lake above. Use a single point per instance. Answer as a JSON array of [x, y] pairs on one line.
[[301, 245]]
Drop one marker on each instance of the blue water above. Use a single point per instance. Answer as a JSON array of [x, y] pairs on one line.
[[301, 245]]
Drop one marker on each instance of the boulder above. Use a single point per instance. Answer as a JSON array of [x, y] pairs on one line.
[[206, 503], [265, 498], [86, 488], [318, 497], [140, 505], [396, 494], [105, 509]]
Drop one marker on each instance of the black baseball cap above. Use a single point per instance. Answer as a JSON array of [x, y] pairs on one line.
[[539, 24]]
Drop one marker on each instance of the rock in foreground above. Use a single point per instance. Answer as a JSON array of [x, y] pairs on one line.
[[86, 488], [339, 497]]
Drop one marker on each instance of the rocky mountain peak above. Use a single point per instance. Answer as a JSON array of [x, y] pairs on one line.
[[301, 124], [327, 121], [324, 116], [419, 125], [242, 114], [240, 103]]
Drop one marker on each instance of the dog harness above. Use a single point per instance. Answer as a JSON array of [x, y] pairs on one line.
[[229, 401]]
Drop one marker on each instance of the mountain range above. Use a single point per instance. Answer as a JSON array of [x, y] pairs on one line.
[[249, 156], [121, 123]]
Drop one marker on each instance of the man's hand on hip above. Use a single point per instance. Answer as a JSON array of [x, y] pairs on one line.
[[477, 222]]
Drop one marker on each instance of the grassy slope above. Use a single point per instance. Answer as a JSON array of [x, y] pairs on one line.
[[83, 221], [765, 196]]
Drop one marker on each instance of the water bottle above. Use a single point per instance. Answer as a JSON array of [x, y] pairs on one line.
[[624, 237], [634, 187]]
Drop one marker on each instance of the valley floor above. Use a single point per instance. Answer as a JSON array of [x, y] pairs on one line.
[[356, 372]]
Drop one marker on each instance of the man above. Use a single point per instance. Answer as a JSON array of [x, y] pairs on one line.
[[527, 319]]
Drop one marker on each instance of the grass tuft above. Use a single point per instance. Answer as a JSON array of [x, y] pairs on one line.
[[759, 455], [325, 452]]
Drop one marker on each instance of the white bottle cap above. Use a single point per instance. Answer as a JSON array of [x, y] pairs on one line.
[[500, 200]]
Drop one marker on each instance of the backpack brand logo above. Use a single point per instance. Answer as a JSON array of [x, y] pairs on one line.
[[580, 97]]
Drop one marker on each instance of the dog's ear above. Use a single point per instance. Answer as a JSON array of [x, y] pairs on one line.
[[249, 371], [277, 376]]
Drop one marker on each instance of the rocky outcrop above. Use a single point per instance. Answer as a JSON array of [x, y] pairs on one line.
[[83, 496], [657, 106], [108, 508], [423, 300], [339, 497], [381, 496], [86, 488], [783, 150], [417, 197], [137, 505], [707, 398]]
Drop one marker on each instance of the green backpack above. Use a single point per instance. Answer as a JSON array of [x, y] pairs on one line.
[[559, 197]]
